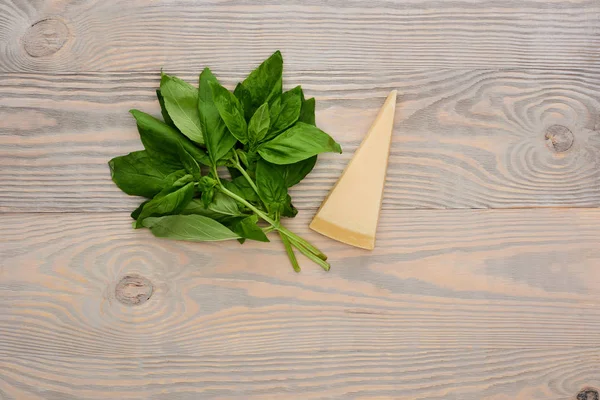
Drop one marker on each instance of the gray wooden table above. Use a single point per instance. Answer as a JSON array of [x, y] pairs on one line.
[[485, 283]]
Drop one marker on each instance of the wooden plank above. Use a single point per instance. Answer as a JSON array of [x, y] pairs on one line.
[[454, 304], [340, 35], [498, 109], [463, 138]]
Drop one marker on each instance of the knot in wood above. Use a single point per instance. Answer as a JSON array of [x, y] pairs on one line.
[[588, 394], [559, 138], [133, 290], [45, 37]]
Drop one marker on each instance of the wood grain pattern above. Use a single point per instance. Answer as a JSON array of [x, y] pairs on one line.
[[454, 304], [499, 105], [463, 139], [339, 35]]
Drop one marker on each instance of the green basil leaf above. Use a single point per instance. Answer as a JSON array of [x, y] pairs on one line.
[[207, 196], [223, 162], [178, 179], [248, 159], [247, 228], [139, 175], [231, 111], [161, 141], [231, 222], [271, 186], [289, 211], [274, 109], [307, 113], [170, 203], [184, 180], [136, 213], [163, 109], [181, 101], [189, 163], [175, 180], [243, 157], [294, 173], [194, 228], [265, 82], [226, 161], [291, 104], [276, 90], [298, 143], [259, 125], [243, 95], [206, 185], [223, 208], [174, 177], [217, 137], [225, 205], [242, 188], [197, 207], [206, 182], [247, 191]]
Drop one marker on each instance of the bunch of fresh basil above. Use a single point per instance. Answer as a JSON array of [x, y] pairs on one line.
[[265, 137]]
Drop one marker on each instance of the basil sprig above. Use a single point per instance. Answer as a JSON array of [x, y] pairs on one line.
[[265, 137]]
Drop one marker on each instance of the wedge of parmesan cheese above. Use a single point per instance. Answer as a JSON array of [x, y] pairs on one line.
[[350, 212]]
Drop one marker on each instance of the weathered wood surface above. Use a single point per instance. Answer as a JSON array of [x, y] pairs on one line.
[[498, 108], [455, 304], [464, 139], [336, 36]]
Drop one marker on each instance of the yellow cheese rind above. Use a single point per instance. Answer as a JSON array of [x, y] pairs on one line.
[[343, 235], [350, 212]]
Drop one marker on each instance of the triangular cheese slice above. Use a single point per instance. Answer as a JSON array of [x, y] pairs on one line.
[[350, 212]]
